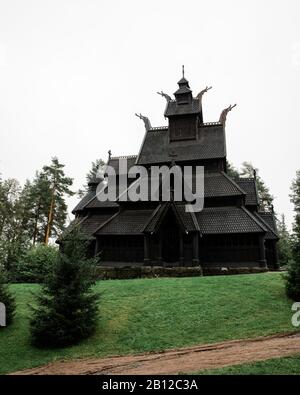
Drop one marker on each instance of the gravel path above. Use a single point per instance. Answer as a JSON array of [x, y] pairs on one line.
[[184, 360]]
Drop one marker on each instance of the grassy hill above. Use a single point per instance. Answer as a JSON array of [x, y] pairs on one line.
[[275, 366], [154, 314]]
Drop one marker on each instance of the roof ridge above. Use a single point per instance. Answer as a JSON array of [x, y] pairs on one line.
[[177, 213], [152, 216], [211, 123], [194, 219], [123, 157], [95, 196], [163, 207], [88, 202], [264, 222], [106, 222], [157, 128], [245, 178], [254, 218], [233, 182]]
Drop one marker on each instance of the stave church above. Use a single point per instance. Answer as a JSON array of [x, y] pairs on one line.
[[231, 231]]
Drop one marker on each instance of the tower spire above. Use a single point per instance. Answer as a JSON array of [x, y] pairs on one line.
[[184, 93]]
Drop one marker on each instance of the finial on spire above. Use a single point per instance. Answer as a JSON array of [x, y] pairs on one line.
[[109, 154], [183, 71]]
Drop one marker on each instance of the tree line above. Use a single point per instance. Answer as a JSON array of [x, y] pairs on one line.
[[33, 213]]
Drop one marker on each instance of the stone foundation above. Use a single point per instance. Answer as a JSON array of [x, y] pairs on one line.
[[122, 273]]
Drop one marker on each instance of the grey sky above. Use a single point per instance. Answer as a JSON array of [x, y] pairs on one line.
[[73, 73]]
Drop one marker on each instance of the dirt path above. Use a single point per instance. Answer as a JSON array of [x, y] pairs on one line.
[[183, 360]]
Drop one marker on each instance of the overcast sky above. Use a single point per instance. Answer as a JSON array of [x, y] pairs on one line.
[[73, 73]]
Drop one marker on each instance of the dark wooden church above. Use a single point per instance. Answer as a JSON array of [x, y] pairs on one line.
[[230, 232]]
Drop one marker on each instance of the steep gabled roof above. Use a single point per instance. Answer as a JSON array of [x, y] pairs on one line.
[[173, 108], [186, 220], [249, 186], [210, 144], [87, 224], [114, 162], [220, 184]]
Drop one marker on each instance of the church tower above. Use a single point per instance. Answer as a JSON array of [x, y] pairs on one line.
[[184, 113]]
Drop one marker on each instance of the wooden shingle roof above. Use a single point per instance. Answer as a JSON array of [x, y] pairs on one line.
[[249, 186], [216, 220], [269, 222], [90, 224], [114, 162], [224, 220], [173, 108], [127, 222], [220, 184], [210, 144], [83, 202]]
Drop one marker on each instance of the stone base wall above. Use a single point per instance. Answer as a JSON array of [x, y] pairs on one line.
[[113, 273], [221, 271]]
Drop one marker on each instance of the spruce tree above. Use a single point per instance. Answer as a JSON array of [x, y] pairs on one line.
[[292, 278], [6, 297], [93, 173], [293, 274], [67, 308], [284, 244]]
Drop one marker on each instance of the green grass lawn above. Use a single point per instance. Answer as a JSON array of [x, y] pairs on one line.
[[154, 314], [276, 366]]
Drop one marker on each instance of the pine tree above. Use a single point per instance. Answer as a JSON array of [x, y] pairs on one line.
[[285, 243], [295, 199], [67, 308], [231, 170], [6, 297], [293, 274], [96, 167], [39, 195], [59, 188]]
